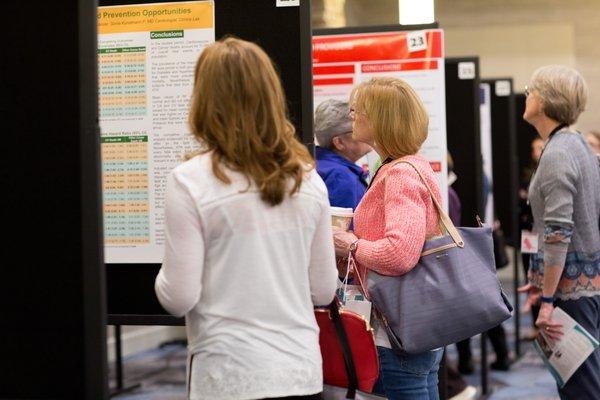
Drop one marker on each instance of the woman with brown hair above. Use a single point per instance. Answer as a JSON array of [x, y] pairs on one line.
[[248, 247]]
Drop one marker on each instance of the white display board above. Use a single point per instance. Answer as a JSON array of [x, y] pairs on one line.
[[486, 151], [146, 59], [344, 60]]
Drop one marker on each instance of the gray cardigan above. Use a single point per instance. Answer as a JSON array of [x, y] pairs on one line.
[[564, 194]]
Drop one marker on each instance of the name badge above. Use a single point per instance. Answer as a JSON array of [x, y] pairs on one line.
[[529, 242]]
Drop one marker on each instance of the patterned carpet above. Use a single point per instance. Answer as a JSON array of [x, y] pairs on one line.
[[161, 372]]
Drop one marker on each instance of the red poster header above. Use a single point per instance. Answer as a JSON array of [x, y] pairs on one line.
[[374, 47], [334, 69], [333, 81]]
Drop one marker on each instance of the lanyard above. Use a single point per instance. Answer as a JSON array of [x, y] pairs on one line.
[[558, 128]]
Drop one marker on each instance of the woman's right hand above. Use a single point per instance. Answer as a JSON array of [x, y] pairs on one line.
[[533, 296], [342, 240]]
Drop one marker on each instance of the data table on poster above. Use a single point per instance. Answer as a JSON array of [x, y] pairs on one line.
[[122, 82], [125, 190], [146, 60]]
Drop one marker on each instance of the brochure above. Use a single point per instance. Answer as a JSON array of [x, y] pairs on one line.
[[564, 356]]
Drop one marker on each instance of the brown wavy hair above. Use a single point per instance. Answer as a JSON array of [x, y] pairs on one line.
[[239, 114]]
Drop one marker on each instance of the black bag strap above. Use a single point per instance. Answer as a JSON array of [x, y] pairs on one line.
[[346, 350]]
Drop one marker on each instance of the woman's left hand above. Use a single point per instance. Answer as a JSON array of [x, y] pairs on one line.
[[553, 330], [342, 241], [533, 296]]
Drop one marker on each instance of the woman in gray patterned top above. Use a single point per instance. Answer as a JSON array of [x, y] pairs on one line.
[[564, 194]]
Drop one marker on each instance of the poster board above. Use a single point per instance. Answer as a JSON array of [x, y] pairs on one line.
[[53, 296], [464, 138], [486, 153], [505, 157], [345, 57], [506, 178], [284, 33], [146, 59]]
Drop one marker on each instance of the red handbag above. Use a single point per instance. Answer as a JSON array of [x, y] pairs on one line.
[[348, 349]]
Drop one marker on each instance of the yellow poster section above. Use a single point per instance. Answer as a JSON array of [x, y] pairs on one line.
[[155, 17]]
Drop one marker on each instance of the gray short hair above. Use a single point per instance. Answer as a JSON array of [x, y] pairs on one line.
[[562, 90], [332, 118]]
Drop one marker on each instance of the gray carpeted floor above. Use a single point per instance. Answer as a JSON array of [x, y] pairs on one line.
[[161, 372]]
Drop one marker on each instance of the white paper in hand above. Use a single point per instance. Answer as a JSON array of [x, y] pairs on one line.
[[564, 357]]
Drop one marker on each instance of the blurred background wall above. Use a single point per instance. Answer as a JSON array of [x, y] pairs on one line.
[[511, 37]]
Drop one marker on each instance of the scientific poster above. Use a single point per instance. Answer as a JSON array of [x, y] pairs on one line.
[[486, 151], [146, 59], [342, 61]]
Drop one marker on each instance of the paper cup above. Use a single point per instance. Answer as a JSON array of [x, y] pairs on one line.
[[341, 217]]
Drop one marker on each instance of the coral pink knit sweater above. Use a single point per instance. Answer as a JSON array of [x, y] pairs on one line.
[[395, 217]]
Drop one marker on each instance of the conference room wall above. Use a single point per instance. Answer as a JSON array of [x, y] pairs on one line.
[[513, 37]]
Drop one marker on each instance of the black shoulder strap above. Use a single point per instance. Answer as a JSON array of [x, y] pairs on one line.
[[346, 350]]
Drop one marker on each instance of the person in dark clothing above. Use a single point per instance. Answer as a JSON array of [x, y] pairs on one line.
[[526, 219], [455, 384], [497, 335], [337, 154]]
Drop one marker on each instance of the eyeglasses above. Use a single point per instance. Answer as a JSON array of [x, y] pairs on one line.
[[527, 91], [353, 113]]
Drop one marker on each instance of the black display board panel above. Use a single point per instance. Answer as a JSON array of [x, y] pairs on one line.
[[525, 135], [506, 182], [285, 34], [505, 160], [53, 316], [463, 133]]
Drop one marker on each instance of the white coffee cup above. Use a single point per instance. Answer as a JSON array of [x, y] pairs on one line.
[[341, 217]]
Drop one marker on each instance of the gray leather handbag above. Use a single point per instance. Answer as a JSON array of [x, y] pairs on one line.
[[451, 294]]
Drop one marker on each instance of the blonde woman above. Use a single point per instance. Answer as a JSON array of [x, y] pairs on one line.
[[248, 248], [394, 218], [565, 202]]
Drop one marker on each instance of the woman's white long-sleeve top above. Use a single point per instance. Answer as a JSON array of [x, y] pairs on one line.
[[246, 275]]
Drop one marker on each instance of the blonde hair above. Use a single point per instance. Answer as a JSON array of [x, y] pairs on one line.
[[563, 92], [396, 114], [239, 114]]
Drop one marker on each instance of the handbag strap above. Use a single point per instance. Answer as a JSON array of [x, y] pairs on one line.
[[346, 350], [444, 218], [361, 284]]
